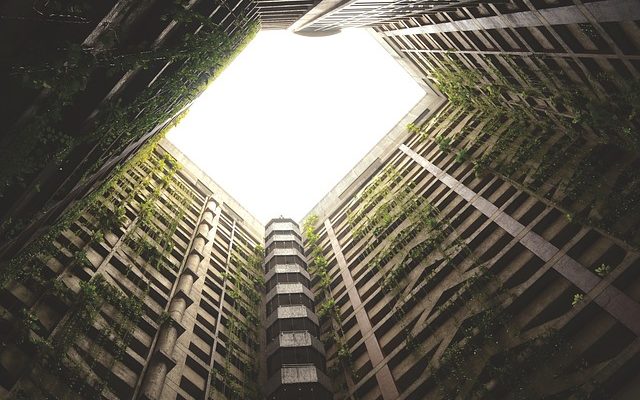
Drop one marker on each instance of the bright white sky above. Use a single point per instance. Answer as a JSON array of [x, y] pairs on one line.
[[290, 117]]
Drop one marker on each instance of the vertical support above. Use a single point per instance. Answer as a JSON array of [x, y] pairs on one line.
[[214, 346], [294, 354], [385, 380], [162, 360], [616, 303]]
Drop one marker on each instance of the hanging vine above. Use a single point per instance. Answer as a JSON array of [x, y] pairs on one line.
[[100, 319], [328, 308], [570, 163], [42, 141], [246, 299]]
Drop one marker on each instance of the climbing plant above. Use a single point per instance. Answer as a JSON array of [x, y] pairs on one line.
[[57, 354], [328, 308], [243, 284], [551, 154], [612, 116], [421, 242], [108, 330], [47, 140]]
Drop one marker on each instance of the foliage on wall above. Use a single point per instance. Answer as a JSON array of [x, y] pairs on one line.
[[98, 320], [62, 77], [571, 145], [244, 284], [328, 308]]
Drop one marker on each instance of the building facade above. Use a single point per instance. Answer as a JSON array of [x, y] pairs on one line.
[[491, 251], [295, 358], [487, 247], [548, 90], [417, 277], [152, 291], [445, 282], [81, 85]]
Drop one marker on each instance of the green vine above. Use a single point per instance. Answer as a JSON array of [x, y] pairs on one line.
[[328, 308]]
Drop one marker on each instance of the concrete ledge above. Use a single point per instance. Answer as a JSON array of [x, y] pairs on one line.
[[285, 252], [286, 269], [289, 312], [606, 11], [295, 339], [297, 374], [281, 226], [282, 238], [288, 288]]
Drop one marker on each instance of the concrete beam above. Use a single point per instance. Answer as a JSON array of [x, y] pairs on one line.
[[604, 11], [385, 380], [616, 303]]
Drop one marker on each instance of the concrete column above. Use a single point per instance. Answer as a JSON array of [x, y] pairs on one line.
[[177, 307], [192, 262], [162, 361], [385, 380], [167, 339], [154, 380], [309, 372], [203, 230], [198, 243], [218, 322]]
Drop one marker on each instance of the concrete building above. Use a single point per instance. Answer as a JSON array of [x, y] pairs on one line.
[[424, 280], [152, 291], [487, 247], [543, 93], [449, 284], [80, 88], [295, 359]]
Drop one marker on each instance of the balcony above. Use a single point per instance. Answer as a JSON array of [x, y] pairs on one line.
[[287, 269], [283, 225], [285, 256]]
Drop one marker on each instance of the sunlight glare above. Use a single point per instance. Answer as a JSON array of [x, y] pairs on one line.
[[291, 115]]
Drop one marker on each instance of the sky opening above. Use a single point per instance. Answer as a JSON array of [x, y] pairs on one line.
[[291, 115]]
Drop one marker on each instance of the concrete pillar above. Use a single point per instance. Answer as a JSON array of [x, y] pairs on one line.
[[167, 339], [177, 308], [198, 243], [154, 380], [162, 361], [192, 262]]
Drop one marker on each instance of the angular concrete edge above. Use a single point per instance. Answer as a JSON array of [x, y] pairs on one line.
[[292, 374], [425, 107], [295, 339], [289, 288], [284, 252], [286, 269], [194, 174], [294, 311]]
